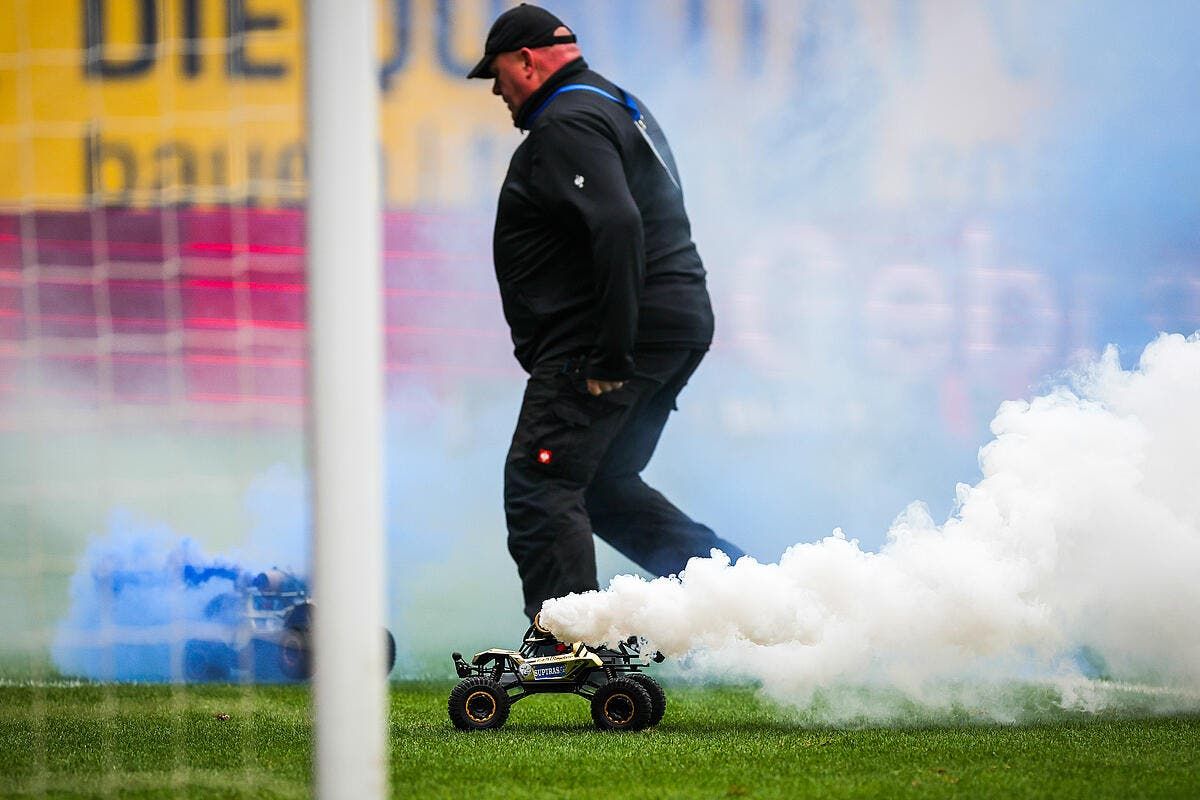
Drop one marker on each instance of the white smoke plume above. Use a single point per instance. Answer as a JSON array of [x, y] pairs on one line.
[[1077, 555]]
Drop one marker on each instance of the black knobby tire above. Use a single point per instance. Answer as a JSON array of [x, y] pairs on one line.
[[478, 704], [621, 705], [295, 654], [658, 698], [389, 647], [205, 661]]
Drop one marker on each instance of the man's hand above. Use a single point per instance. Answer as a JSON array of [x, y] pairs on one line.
[[597, 388]]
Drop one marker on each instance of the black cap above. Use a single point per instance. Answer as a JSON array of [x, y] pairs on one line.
[[523, 26]]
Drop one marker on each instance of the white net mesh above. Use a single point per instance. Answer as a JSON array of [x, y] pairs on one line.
[[153, 368], [893, 249]]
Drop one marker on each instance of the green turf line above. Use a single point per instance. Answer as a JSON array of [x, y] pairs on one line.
[[153, 741]]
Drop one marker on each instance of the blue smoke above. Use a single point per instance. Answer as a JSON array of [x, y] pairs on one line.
[[139, 594], [150, 605]]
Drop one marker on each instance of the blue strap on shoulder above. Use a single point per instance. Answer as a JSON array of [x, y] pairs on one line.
[[630, 106], [625, 100]]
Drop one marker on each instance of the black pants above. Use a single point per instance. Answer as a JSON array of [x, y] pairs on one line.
[[574, 468]]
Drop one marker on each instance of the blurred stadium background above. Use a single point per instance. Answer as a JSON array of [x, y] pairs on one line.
[[910, 210]]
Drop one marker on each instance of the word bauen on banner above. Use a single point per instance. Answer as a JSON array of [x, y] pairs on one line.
[[149, 102]]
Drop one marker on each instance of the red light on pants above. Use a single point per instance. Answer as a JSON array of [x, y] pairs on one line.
[[544, 456]]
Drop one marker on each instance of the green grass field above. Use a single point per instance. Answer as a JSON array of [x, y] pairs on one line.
[[155, 741]]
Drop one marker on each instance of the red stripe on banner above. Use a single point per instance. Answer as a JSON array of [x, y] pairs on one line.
[[228, 323], [232, 248], [253, 286]]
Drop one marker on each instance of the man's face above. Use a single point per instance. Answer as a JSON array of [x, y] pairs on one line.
[[513, 79]]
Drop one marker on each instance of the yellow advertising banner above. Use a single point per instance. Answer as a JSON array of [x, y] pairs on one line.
[[149, 102]]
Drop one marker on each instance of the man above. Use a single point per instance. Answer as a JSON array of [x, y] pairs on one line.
[[605, 295]]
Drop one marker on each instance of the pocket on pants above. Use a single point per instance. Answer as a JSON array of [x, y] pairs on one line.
[[571, 436]]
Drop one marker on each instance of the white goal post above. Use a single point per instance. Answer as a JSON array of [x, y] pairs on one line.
[[346, 400]]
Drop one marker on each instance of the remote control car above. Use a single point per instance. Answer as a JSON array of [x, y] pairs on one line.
[[261, 630], [622, 697]]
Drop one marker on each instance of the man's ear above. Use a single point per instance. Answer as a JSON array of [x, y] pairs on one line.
[[526, 61]]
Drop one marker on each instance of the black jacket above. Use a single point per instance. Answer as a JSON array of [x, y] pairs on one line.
[[592, 246]]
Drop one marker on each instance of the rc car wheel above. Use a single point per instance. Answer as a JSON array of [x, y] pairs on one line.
[[295, 654], [205, 661], [621, 705], [478, 704], [658, 698], [389, 648]]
